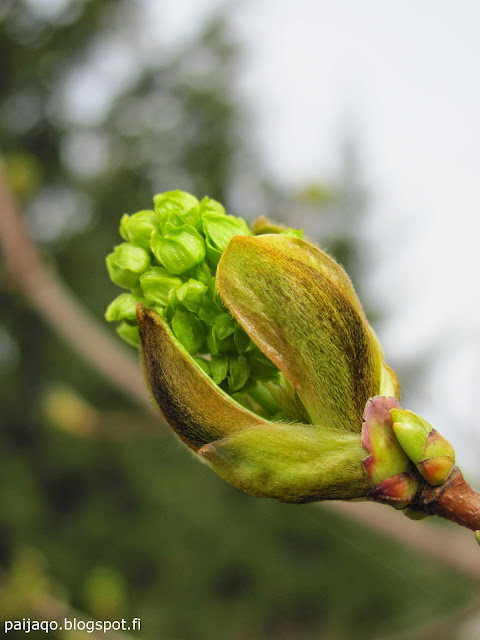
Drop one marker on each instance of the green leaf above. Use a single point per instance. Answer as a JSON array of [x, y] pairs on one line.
[[291, 462], [126, 264], [193, 404], [180, 250], [300, 308]]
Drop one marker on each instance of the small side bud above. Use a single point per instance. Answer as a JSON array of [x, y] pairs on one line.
[[387, 458], [397, 491], [432, 454], [415, 514], [436, 470], [188, 330]]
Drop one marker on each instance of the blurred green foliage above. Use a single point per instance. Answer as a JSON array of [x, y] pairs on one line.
[[134, 526]]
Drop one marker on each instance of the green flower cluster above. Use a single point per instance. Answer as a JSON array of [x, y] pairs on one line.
[[168, 262]]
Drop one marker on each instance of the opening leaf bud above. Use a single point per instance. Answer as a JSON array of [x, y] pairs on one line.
[[258, 353]]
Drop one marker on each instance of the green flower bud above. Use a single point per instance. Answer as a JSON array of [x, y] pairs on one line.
[[415, 514], [126, 264], [192, 294], [238, 372], [259, 396], [217, 346], [124, 307], [129, 332], [176, 208], [219, 229], [138, 228], [387, 466], [157, 283], [432, 454], [302, 326], [262, 225], [224, 325], [203, 273], [242, 341], [179, 202], [219, 368], [204, 365], [179, 250], [209, 205], [261, 366], [208, 311], [188, 330]]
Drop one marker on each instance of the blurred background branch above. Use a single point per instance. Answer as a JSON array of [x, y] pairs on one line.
[[52, 300]]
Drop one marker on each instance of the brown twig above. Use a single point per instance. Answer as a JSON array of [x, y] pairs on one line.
[[454, 500]]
